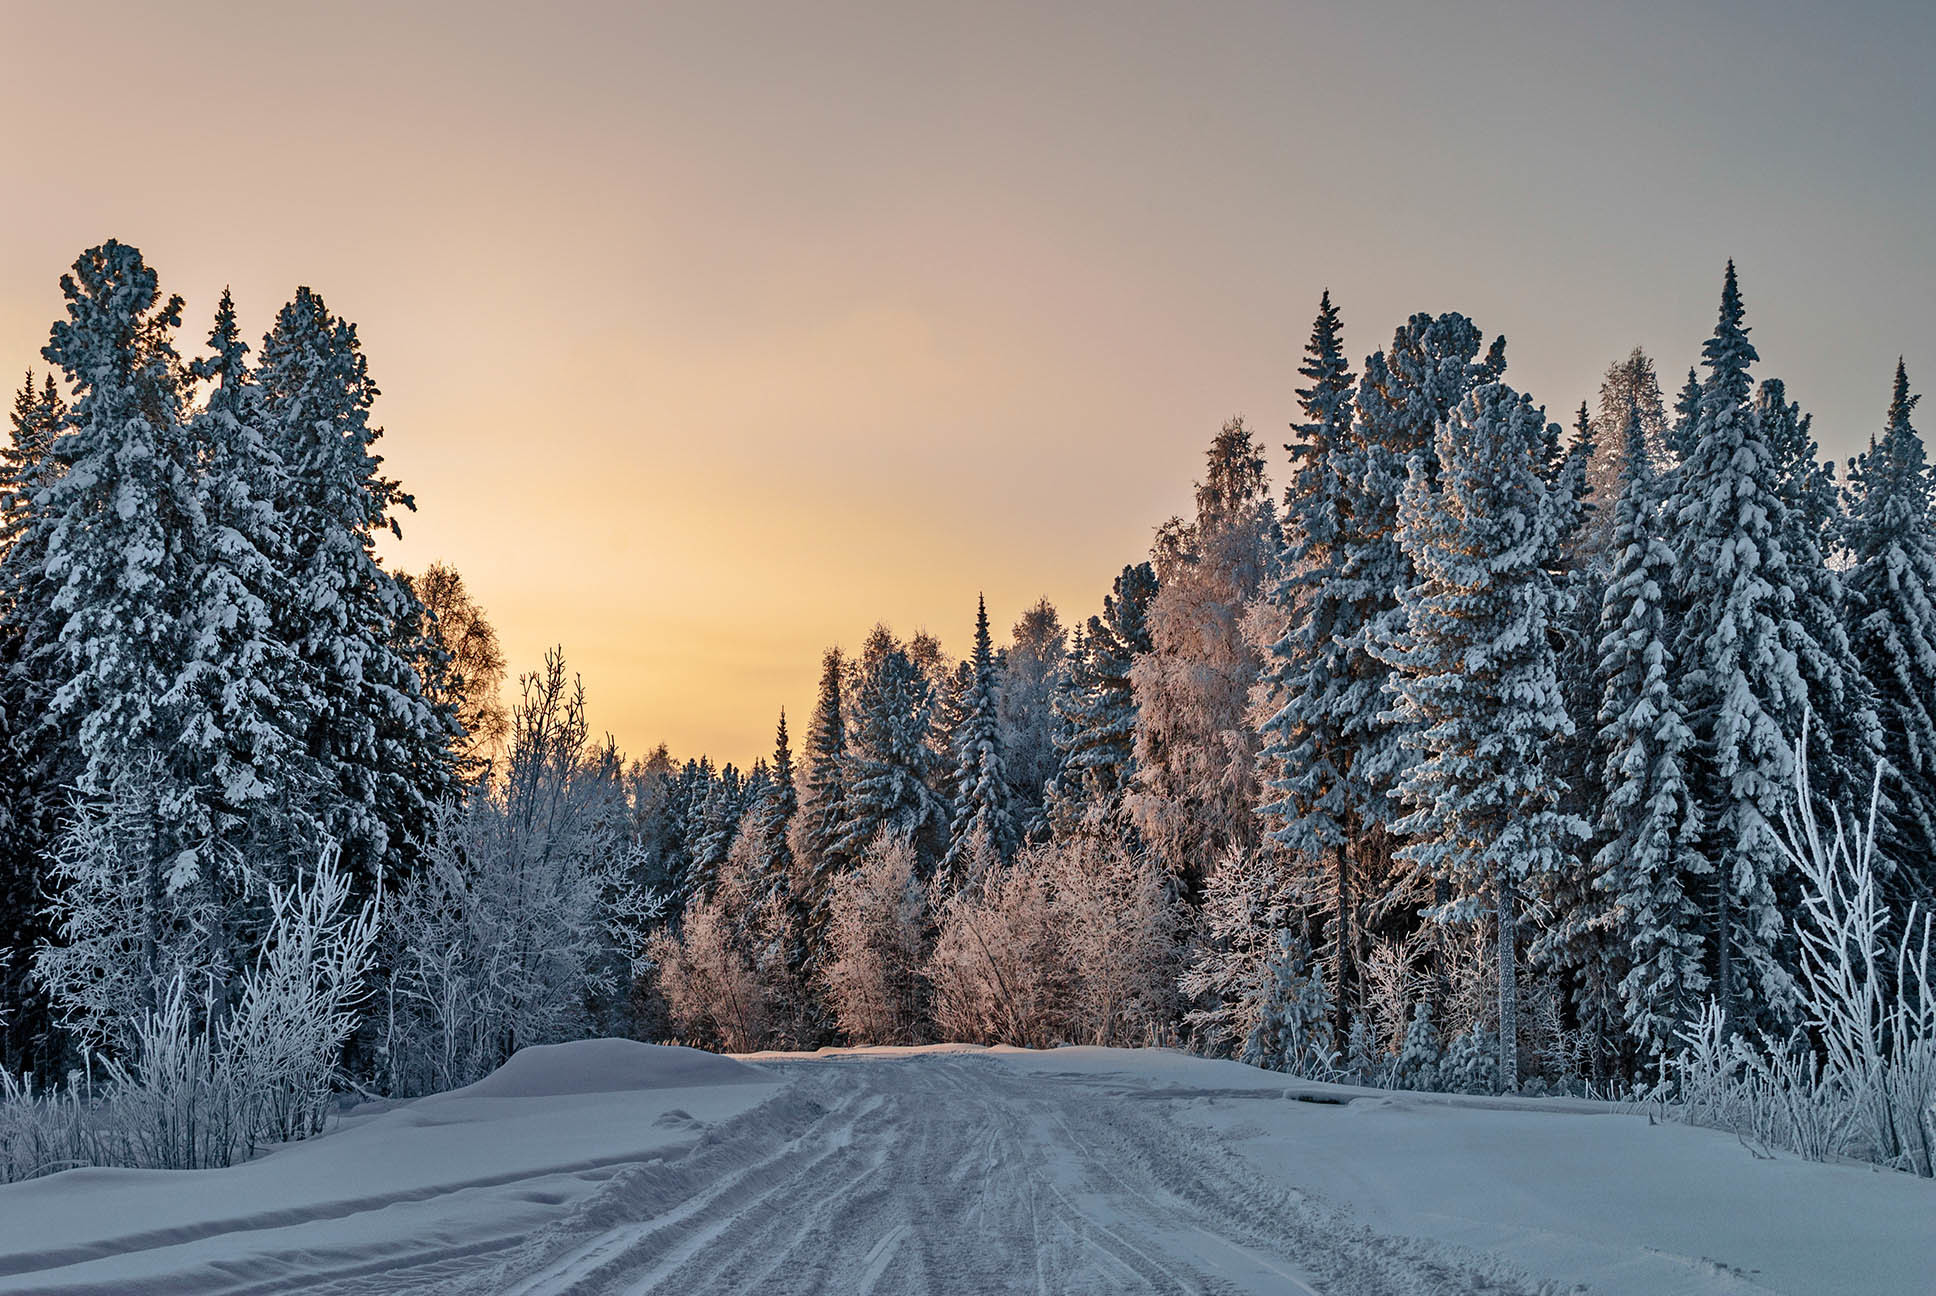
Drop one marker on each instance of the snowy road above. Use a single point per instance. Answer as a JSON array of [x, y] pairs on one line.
[[608, 1166], [956, 1173]]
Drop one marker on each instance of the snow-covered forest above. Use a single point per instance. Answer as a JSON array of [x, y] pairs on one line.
[[1440, 748]]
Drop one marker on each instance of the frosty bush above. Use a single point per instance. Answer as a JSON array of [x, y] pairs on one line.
[[1293, 1031], [1864, 1082], [521, 917], [876, 946], [201, 1083], [711, 988]]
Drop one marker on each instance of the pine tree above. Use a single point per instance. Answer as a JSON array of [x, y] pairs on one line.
[[31, 746], [118, 525], [1406, 391], [1026, 673], [1648, 870], [1891, 614], [1317, 808], [242, 722], [982, 816], [891, 769], [1095, 704], [1844, 736], [1739, 686], [815, 830], [1687, 414], [382, 747], [1474, 683], [1629, 383]]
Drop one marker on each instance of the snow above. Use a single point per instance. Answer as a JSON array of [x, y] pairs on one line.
[[623, 1167]]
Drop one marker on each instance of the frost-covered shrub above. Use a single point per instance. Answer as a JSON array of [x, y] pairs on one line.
[[1001, 970], [1420, 1055], [1293, 1031], [521, 922], [1471, 1063], [877, 944], [711, 989]]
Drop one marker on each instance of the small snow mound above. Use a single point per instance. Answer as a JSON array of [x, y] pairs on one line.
[[608, 1066]]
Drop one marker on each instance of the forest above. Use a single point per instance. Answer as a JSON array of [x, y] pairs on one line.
[[1439, 747]]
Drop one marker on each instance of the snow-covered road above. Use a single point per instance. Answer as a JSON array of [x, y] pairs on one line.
[[956, 1173], [614, 1167]]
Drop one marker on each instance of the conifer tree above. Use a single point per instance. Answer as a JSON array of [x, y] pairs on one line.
[[383, 749], [243, 721], [1026, 673], [891, 768], [1095, 703], [1891, 614], [1316, 810], [1405, 392], [815, 830], [120, 517], [31, 748], [1739, 686], [1648, 872], [982, 816], [1844, 735], [1474, 681]]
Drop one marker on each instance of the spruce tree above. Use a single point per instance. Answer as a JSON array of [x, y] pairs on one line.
[[383, 750], [1891, 614], [891, 769], [1739, 685], [983, 819], [1095, 703], [243, 719], [1026, 672], [120, 517], [1475, 685], [1648, 871], [815, 831], [1844, 735], [1317, 807]]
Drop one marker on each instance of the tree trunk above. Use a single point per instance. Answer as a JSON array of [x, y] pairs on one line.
[[1341, 946], [1508, 987]]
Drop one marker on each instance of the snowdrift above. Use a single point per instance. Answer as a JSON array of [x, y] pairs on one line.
[[606, 1066]]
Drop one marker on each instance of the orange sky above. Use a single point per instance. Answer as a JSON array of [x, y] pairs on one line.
[[711, 334]]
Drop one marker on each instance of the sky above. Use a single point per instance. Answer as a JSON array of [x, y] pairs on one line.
[[711, 334]]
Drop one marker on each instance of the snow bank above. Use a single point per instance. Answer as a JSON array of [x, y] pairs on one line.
[[456, 1175], [607, 1066]]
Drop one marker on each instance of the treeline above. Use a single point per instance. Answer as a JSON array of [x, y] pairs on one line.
[[1461, 760], [1464, 761]]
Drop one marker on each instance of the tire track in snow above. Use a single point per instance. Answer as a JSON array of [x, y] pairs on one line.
[[955, 1172]]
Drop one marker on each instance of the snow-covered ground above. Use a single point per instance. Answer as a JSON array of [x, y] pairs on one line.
[[610, 1166]]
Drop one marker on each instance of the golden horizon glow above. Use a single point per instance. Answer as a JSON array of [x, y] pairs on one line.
[[709, 338]]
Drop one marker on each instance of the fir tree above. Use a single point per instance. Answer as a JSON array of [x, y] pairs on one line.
[[1739, 685], [1891, 614], [1474, 682], [1095, 704], [982, 817], [815, 831], [1026, 673], [891, 769], [1317, 810], [1649, 873], [120, 517], [383, 749]]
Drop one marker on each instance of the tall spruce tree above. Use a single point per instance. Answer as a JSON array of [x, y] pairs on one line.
[[120, 518], [1095, 703], [815, 831], [1317, 807], [1739, 685], [1474, 683], [1648, 870], [983, 818], [383, 750], [891, 768], [1891, 614]]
